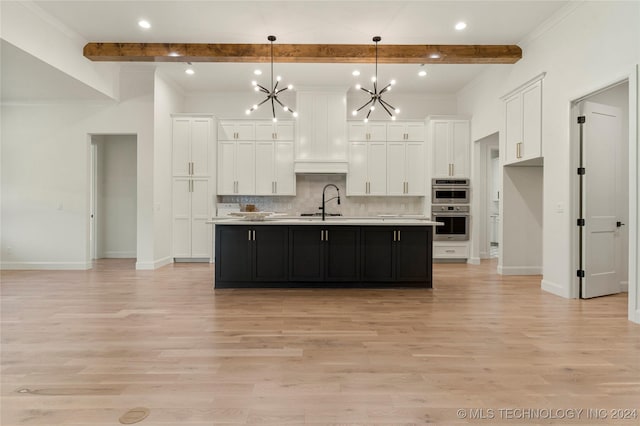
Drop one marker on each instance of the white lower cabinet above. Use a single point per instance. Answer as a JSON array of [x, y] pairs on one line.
[[367, 168], [405, 168], [274, 168], [236, 168], [191, 211]]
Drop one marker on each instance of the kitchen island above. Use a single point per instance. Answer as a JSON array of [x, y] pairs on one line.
[[308, 252]]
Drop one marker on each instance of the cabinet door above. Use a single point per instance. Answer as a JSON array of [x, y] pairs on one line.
[[284, 176], [265, 163], [377, 253], [336, 127], [306, 253], [413, 254], [245, 131], [357, 176], [440, 145], [377, 132], [396, 131], [284, 132], [459, 148], [513, 128], [532, 122], [396, 168], [181, 155], [270, 256], [226, 167], [233, 253], [226, 131], [357, 131], [415, 132], [181, 217], [377, 167], [245, 167], [342, 256], [200, 145], [200, 214], [265, 131], [414, 168]]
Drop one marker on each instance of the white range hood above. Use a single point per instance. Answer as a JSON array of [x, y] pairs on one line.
[[321, 132]]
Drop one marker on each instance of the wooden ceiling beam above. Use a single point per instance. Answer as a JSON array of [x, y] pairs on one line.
[[303, 53]]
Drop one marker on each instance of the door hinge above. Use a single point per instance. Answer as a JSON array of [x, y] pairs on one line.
[[581, 119], [580, 222], [580, 273], [581, 170]]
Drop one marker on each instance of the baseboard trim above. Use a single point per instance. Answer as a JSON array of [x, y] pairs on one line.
[[473, 261], [624, 286], [155, 264], [557, 289], [520, 270], [119, 254], [634, 316], [53, 266]]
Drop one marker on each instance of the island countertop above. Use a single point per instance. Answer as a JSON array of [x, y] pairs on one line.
[[329, 221]]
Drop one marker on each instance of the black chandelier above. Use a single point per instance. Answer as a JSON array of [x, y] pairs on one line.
[[272, 94], [376, 96]]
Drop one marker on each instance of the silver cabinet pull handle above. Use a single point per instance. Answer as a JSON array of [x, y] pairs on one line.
[[249, 237], [398, 235], [275, 185], [254, 234], [394, 236], [326, 235], [321, 235]]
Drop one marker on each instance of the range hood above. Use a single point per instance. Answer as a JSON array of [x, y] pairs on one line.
[[321, 167]]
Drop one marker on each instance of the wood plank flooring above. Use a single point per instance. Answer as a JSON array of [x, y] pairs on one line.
[[83, 347]]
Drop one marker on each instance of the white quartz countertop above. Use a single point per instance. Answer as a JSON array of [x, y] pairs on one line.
[[341, 220]]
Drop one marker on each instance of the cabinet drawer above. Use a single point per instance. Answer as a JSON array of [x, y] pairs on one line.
[[450, 251]]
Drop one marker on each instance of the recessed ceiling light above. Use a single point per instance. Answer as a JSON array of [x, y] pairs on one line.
[[190, 71], [422, 73], [435, 56], [461, 26], [257, 72], [144, 24], [355, 73]]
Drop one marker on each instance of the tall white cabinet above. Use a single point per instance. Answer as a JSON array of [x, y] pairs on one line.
[[193, 159], [450, 143]]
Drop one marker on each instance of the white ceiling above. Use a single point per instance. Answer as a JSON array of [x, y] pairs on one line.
[[397, 22]]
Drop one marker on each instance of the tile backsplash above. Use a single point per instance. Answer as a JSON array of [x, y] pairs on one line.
[[309, 197]]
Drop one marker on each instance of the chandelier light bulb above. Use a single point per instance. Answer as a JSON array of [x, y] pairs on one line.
[[366, 120], [254, 107], [290, 87], [358, 87], [278, 78], [248, 112], [372, 108], [392, 82], [397, 111], [354, 112], [295, 114], [373, 79], [285, 108], [254, 83], [275, 119], [393, 118]]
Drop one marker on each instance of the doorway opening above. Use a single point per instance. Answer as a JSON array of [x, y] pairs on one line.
[[113, 197], [600, 123], [488, 191]]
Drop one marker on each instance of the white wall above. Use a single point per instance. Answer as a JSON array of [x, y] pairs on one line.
[[116, 197], [169, 99], [588, 46], [234, 104], [45, 176]]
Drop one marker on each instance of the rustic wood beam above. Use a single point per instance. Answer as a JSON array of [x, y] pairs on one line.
[[303, 53]]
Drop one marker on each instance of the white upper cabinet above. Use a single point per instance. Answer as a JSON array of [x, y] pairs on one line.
[[523, 123], [405, 131], [361, 131], [450, 143], [405, 168], [367, 168], [192, 146], [236, 167], [274, 168], [280, 131], [229, 130]]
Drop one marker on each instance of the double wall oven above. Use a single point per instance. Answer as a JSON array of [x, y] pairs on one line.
[[450, 205]]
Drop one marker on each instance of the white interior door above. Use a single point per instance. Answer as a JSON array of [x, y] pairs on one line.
[[601, 133]]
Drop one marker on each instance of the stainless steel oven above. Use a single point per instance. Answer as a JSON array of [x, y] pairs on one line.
[[450, 191], [456, 222]]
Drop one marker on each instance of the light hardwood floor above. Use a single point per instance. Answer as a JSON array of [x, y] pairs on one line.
[[86, 346]]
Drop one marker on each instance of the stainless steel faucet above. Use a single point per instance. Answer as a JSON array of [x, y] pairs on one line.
[[322, 208]]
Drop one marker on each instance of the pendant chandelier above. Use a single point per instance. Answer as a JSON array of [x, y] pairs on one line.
[[272, 95], [375, 95]]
